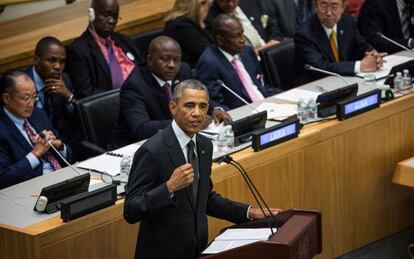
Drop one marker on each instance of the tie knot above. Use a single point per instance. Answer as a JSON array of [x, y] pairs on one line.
[[190, 145], [25, 124]]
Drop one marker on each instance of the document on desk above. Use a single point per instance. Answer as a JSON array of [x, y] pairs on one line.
[[109, 162], [293, 96], [236, 237], [390, 61], [278, 111]]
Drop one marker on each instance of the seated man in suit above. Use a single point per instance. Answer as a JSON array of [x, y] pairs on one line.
[[54, 86], [259, 30], [101, 59], [170, 191], [330, 40], [146, 94], [288, 14], [392, 18], [23, 153], [232, 62]]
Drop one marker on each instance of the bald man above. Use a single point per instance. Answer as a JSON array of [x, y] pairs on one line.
[[101, 59], [146, 94]]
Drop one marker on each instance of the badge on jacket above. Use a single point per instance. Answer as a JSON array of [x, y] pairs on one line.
[[130, 56]]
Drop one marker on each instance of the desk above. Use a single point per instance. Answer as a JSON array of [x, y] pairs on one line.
[[342, 168], [18, 37], [404, 173]]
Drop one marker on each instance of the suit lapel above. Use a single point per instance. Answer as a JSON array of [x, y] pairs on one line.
[[203, 183], [15, 132], [158, 91], [97, 53], [322, 38], [340, 38]]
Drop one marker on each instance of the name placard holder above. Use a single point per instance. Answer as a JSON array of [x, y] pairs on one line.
[[359, 104], [285, 131]]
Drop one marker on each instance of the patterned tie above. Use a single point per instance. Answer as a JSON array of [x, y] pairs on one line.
[[332, 40], [48, 156], [192, 159], [244, 80], [405, 21], [167, 90], [116, 73]]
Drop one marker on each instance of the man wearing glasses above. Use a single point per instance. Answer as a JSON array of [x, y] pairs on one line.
[[330, 40], [23, 153], [101, 59]]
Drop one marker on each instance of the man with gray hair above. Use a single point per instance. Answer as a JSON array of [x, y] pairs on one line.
[[169, 189]]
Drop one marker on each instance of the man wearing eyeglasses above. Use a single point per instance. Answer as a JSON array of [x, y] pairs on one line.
[[23, 153], [330, 40], [101, 59]]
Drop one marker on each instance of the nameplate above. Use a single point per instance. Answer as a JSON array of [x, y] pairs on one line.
[[359, 104], [282, 132], [85, 203]]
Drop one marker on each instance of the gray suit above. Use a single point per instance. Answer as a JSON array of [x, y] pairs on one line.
[[284, 15]]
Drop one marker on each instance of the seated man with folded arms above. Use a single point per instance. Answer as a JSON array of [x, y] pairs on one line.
[[233, 63], [23, 153], [330, 40], [101, 59], [147, 92]]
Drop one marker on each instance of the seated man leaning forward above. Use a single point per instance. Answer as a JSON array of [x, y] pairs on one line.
[[146, 94], [170, 191]]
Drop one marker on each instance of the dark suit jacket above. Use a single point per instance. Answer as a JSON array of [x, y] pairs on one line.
[[214, 66], [14, 167], [191, 37], [313, 47], [382, 16], [284, 15], [144, 106], [173, 227], [87, 66], [253, 10], [59, 112]]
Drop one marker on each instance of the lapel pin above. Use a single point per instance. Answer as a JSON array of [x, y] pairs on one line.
[[130, 56]]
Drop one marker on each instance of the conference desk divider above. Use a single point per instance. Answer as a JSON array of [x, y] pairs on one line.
[[299, 236]]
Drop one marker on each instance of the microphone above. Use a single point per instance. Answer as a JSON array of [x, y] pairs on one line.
[[379, 34], [238, 96], [311, 68], [256, 194], [41, 134]]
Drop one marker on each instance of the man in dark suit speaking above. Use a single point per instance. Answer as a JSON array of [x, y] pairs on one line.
[[23, 154], [170, 190], [330, 40]]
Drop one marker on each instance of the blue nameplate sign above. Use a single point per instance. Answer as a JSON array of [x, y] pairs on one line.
[[359, 104], [277, 134]]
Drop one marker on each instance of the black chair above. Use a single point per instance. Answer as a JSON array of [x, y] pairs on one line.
[[280, 65], [98, 115], [142, 40]]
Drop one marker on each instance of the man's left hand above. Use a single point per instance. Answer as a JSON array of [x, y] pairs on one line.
[[256, 213], [220, 116], [57, 86]]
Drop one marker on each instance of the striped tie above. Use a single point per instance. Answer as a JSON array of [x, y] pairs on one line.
[[332, 40], [405, 21]]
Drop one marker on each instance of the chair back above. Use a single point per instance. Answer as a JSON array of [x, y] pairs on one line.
[[142, 40], [98, 115]]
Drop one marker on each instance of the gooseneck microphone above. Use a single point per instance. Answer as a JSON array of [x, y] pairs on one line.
[[42, 135], [238, 96], [256, 194], [311, 68], [379, 34]]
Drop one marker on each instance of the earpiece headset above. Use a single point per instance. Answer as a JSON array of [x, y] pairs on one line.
[[91, 15]]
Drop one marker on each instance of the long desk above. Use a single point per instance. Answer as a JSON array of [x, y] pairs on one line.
[[18, 37], [342, 168]]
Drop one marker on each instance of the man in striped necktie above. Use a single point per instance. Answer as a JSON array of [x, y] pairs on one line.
[[23, 153]]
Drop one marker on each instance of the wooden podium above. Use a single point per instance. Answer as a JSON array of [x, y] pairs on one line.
[[299, 236]]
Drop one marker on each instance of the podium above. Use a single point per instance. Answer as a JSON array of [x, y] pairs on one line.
[[299, 236]]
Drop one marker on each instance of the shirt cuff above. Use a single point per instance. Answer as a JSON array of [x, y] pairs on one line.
[[357, 68], [64, 152], [219, 108], [248, 212], [409, 42], [33, 160]]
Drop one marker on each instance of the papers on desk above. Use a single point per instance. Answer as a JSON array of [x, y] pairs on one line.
[[236, 237], [391, 61], [110, 161], [293, 96], [278, 111]]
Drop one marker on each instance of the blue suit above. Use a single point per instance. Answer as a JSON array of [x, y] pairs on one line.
[[14, 166], [213, 66]]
